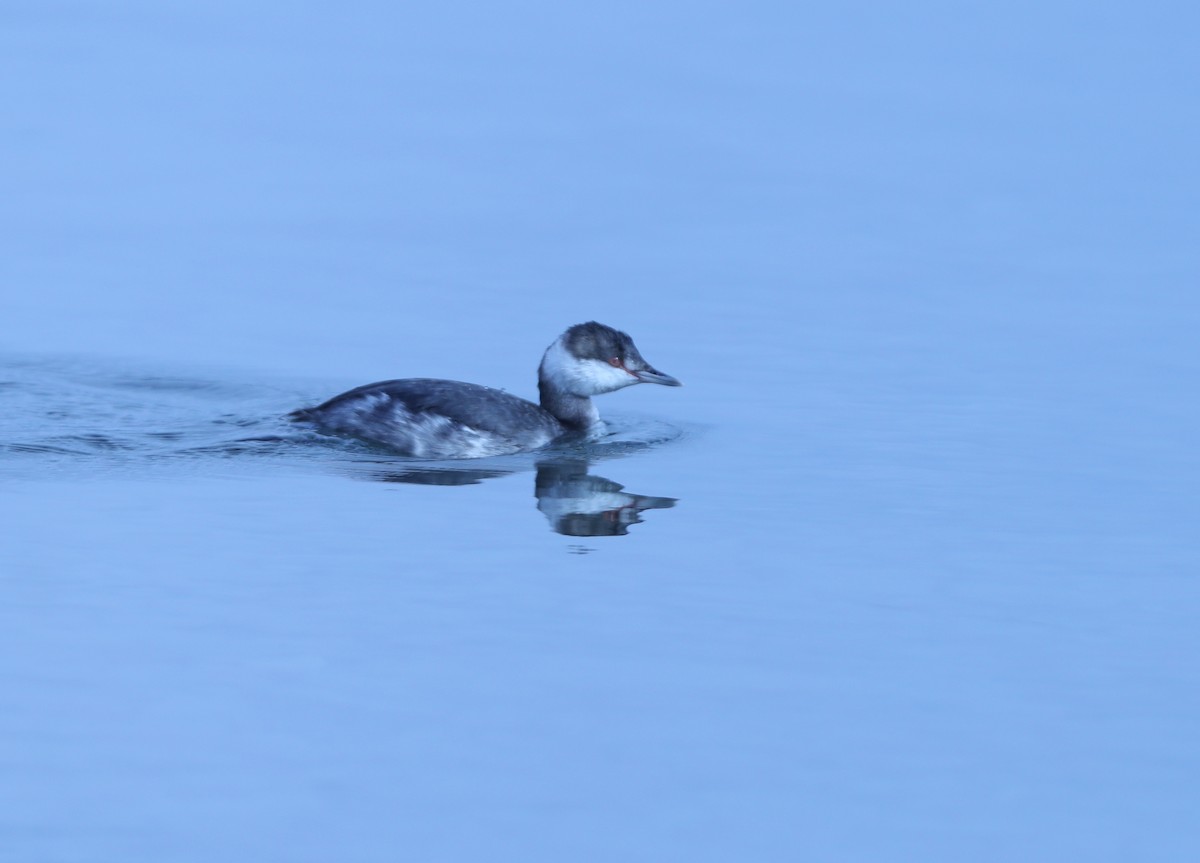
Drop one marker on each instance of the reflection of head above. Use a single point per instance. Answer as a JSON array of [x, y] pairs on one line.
[[577, 503]]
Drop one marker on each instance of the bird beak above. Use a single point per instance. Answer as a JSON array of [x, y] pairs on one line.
[[650, 375]]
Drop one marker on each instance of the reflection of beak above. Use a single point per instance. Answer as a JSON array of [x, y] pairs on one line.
[[650, 375]]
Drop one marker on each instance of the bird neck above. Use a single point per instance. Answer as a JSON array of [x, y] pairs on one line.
[[574, 412]]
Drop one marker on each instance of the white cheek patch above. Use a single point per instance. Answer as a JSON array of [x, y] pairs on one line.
[[601, 377], [583, 377]]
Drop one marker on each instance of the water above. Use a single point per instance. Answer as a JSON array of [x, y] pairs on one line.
[[905, 571]]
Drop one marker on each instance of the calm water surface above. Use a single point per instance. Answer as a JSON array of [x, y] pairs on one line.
[[906, 571]]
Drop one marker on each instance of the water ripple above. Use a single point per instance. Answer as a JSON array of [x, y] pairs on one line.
[[103, 418]]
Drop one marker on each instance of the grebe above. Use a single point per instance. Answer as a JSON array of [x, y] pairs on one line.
[[431, 418]]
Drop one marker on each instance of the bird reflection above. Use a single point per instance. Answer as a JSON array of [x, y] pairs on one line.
[[575, 502], [578, 503], [440, 477]]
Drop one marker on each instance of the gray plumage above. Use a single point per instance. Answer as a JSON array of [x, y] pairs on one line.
[[432, 418]]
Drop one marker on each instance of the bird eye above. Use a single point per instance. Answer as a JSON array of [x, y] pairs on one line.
[[615, 362]]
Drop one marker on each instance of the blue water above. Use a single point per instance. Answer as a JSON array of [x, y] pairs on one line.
[[905, 571]]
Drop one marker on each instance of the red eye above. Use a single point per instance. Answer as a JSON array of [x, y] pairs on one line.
[[615, 362]]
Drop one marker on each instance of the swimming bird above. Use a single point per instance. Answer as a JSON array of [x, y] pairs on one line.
[[433, 418]]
